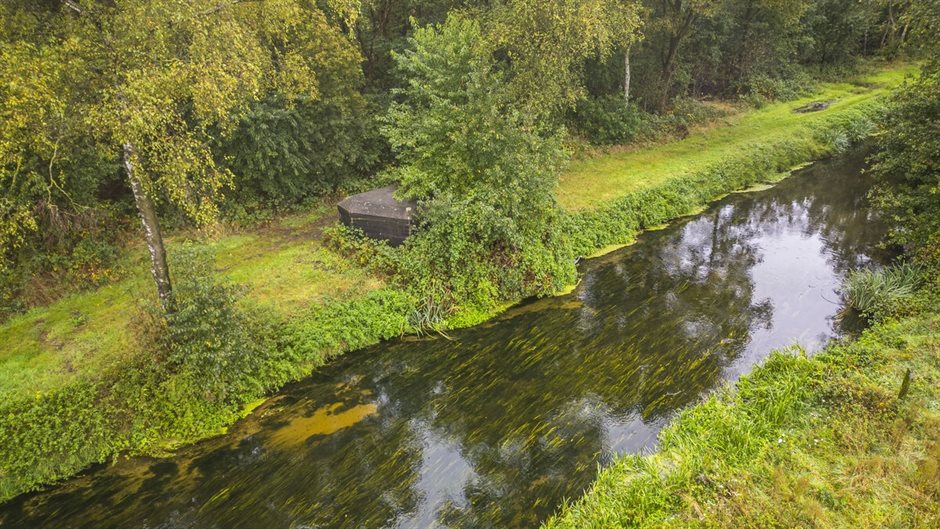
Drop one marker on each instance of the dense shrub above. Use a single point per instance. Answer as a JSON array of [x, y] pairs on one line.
[[374, 254], [47, 252], [760, 89], [908, 166], [485, 174], [283, 154], [204, 335], [685, 113], [606, 120]]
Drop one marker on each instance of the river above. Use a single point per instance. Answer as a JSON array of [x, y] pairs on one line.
[[494, 426]]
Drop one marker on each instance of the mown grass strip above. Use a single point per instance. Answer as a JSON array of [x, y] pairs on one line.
[[619, 220], [599, 180]]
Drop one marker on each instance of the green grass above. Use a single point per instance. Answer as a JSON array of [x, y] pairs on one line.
[[875, 292], [284, 266], [603, 178], [825, 442]]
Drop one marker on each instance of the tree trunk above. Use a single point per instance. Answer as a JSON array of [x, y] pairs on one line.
[[148, 217], [626, 76], [665, 76]]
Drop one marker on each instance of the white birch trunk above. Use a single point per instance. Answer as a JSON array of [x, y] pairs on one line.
[[148, 217]]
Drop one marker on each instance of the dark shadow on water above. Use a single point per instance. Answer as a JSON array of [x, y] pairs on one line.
[[495, 427]]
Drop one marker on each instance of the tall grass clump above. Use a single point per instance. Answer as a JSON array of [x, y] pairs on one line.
[[880, 293]]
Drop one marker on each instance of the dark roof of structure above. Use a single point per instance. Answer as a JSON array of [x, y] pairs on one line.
[[379, 202]]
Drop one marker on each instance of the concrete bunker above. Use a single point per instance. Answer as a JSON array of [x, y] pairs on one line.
[[379, 214]]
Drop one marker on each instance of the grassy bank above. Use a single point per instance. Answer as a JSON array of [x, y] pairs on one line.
[[837, 440], [611, 198], [75, 378], [599, 180]]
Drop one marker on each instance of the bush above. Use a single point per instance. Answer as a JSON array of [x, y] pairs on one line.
[[485, 174], [908, 166], [47, 252], [685, 113], [607, 120], [204, 335], [878, 294], [281, 155], [375, 255], [467, 257], [760, 89]]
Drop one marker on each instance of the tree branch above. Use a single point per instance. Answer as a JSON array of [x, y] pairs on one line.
[[71, 4]]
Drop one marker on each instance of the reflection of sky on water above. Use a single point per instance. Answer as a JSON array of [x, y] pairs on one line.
[[443, 475], [495, 427]]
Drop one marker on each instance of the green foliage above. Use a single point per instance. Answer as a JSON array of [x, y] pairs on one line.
[[50, 436], [203, 334], [839, 30], [545, 44], [878, 294], [345, 325], [484, 172], [684, 113], [264, 97], [761, 89], [469, 257], [173, 86], [374, 255], [606, 120], [908, 167], [283, 152]]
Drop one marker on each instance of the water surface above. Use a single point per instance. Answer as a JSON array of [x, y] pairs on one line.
[[495, 426]]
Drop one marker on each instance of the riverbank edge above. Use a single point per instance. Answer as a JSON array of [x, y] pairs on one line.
[[54, 435], [849, 437]]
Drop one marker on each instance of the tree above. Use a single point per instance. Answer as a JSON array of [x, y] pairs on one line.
[[484, 172], [160, 78], [671, 22], [908, 166], [545, 44]]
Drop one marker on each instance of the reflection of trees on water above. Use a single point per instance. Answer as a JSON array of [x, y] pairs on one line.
[[494, 428]]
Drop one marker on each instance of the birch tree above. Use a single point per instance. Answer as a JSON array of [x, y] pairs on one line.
[[161, 77]]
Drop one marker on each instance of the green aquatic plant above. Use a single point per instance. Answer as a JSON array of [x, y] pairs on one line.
[[879, 293]]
